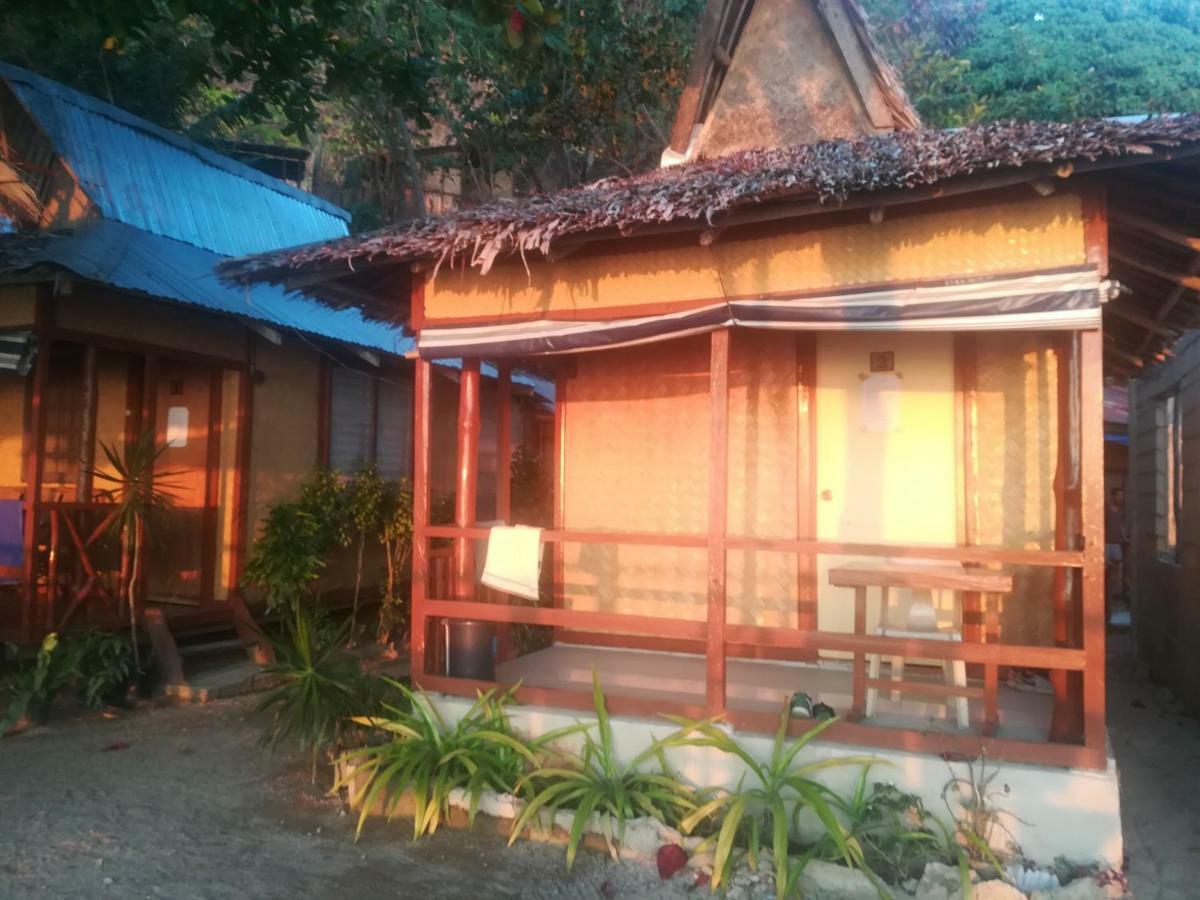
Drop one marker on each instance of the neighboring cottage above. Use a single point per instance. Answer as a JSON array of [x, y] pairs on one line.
[[112, 321]]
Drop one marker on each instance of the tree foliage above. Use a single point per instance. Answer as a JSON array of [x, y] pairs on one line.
[[972, 60]]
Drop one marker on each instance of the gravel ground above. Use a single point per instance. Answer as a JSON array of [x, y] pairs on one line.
[[180, 803], [1158, 755]]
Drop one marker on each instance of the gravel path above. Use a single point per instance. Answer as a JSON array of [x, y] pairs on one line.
[[1158, 755], [180, 803]]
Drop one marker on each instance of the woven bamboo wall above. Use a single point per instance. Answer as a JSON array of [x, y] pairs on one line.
[[637, 460], [1016, 452], [1033, 234]]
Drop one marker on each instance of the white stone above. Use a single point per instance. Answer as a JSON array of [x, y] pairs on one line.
[[829, 881], [996, 890], [1082, 889]]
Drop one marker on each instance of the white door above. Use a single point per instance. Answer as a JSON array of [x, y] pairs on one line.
[[886, 451]]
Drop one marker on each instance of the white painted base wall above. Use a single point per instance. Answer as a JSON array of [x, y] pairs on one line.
[[1074, 813]]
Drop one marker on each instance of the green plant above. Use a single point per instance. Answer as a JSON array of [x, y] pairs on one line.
[[364, 496], [34, 687], [760, 809], [395, 533], [287, 559], [322, 687], [323, 497], [978, 823], [897, 834], [141, 494], [597, 782], [103, 664], [431, 759]]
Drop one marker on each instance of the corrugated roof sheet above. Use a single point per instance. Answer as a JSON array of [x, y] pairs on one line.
[[131, 259], [145, 176]]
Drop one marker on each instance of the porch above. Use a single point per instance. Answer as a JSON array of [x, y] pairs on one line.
[[734, 617], [763, 686], [75, 393]]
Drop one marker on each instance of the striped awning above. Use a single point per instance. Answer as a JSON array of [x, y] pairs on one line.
[[1058, 300]]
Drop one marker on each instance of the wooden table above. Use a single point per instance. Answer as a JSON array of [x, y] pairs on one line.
[[987, 583]]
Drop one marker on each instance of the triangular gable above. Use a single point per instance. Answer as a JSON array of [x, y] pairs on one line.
[[775, 73]]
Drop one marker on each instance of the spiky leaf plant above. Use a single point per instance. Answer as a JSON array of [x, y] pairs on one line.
[[322, 687], [596, 782], [767, 797], [429, 758]]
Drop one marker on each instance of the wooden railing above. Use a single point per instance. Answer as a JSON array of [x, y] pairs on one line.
[[433, 601], [71, 539]]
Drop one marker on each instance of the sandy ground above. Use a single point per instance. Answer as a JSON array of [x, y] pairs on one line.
[[190, 808], [180, 803], [1158, 754]]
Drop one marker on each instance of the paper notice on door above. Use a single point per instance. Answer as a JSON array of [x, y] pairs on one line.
[[879, 406], [177, 426]]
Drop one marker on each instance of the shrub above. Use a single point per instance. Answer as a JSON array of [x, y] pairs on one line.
[[431, 759], [596, 782], [288, 557], [760, 809], [103, 664], [35, 686], [322, 691]]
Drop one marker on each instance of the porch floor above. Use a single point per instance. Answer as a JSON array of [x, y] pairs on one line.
[[762, 686]]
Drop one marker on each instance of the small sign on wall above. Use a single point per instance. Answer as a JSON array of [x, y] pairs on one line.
[[177, 426], [879, 400]]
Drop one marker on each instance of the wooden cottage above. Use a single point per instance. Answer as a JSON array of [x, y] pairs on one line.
[[112, 322], [796, 386]]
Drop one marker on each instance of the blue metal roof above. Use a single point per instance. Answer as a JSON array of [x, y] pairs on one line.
[[131, 259], [143, 175]]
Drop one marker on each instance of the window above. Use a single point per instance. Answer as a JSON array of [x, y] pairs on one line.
[[1169, 429], [370, 421]]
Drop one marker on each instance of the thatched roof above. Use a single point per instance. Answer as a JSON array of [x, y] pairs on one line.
[[712, 192]]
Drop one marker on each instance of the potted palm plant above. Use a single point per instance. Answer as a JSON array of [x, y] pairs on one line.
[[141, 494]]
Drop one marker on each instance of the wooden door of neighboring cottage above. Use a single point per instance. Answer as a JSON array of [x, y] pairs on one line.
[[186, 426]]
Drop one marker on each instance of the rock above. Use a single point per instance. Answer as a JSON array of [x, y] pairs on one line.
[[828, 881], [701, 861], [670, 859], [1082, 889], [939, 882], [996, 890]]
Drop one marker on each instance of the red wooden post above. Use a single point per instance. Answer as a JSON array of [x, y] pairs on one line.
[[43, 323], [1065, 720], [504, 478], [91, 396], [422, 394], [467, 478], [806, 480], [239, 544], [504, 443], [212, 486], [718, 502], [1091, 507]]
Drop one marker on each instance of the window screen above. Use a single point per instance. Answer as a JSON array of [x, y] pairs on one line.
[[351, 419], [393, 444]]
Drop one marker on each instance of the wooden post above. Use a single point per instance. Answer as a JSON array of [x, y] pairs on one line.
[[90, 395], [150, 395], [1065, 721], [718, 503], [1091, 508], [43, 323], [422, 394], [239, 544], [806, 480], [966, 374], [467, 478], [212, 486], [504, 479], [504, 443]]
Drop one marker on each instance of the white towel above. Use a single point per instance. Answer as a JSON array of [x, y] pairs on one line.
[[514, 560]]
